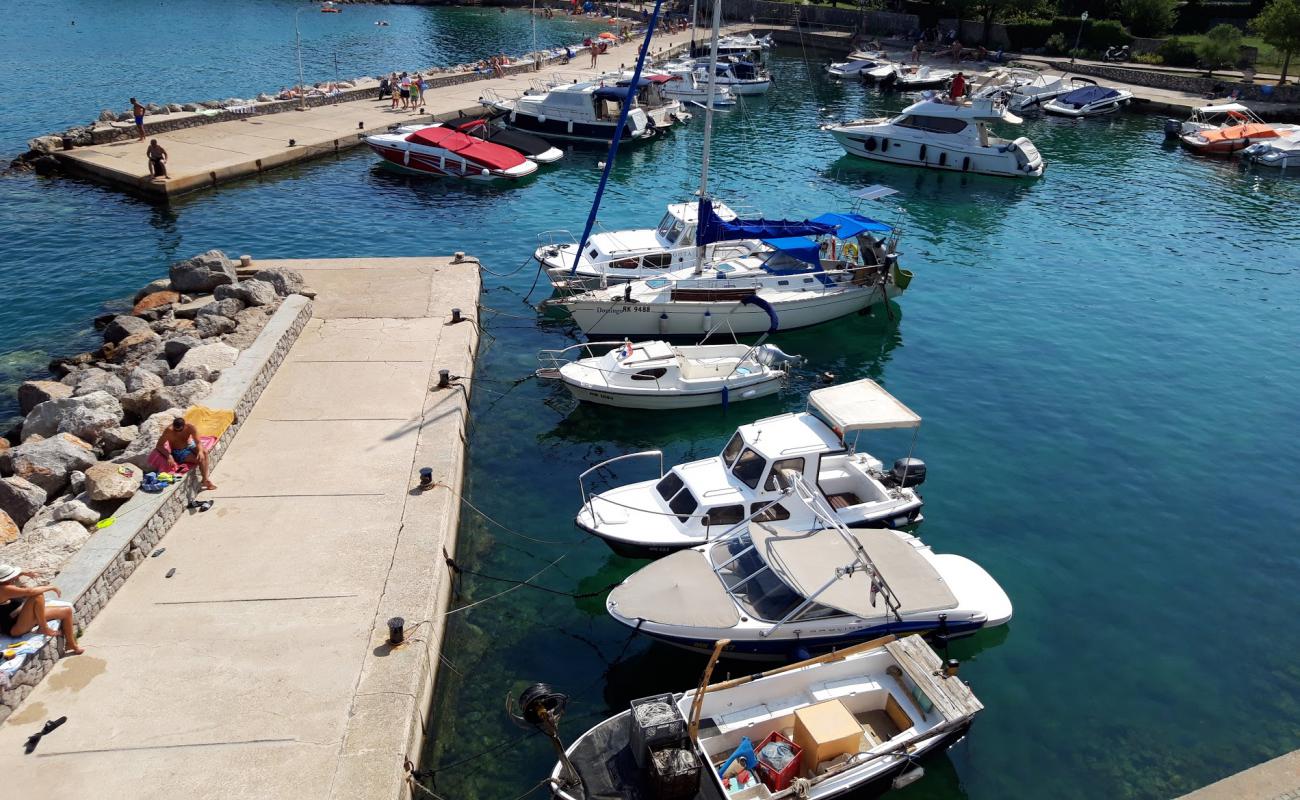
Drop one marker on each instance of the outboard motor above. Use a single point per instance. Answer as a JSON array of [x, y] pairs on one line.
[[769, 355], [1173, 128], [908, 472], [540, 707]]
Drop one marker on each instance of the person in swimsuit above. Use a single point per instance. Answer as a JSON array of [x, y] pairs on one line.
[[137, 111], [179, 444], [157, 159], [23, 608]]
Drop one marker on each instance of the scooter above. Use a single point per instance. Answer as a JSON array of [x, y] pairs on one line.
[[1116, 53]]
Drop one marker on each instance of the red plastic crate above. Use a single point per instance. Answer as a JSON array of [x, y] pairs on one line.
[[776, 781]]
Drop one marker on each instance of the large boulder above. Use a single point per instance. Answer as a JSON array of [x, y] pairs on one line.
[[172, 326], [114, 439], [47, 462], [147, 402], [155, 300], [44, 550], [85, 417], [140, 378], [175, 349], [211, 325], [215, 356], [75, 510], [108, 481], [160, 285], [250, 293], [98, 380], [198, 372], [203, 273], [9, 529], [33, 393], [250, 323], [122, 327], [20, 499], [151, 429], [222, 307], [45, 144], [285, 281], [108, 115], [134, 348]]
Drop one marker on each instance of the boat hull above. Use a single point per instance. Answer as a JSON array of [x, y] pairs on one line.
[[607, 396], [574, 131], [956, 158], [789, 648], [413, 162]]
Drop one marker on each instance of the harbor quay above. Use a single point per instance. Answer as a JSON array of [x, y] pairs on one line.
[[252, 655]]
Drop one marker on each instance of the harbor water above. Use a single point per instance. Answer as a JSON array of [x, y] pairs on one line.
[[1103, 359]]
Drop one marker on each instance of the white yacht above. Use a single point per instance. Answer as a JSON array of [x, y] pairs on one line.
[[711, 499], [738, 76], [943, 135], [661, 376], [613, 257], [1090, 101], [913, 77], [1281, 153], [583, 111], [687, 86]]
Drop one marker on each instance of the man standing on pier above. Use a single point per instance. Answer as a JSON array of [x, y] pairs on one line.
[[137, 111]]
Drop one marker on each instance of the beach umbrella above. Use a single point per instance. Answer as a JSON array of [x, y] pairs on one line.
[[607, 35]]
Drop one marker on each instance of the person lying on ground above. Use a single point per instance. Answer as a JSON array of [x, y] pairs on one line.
[[179, 444], [23, 608]]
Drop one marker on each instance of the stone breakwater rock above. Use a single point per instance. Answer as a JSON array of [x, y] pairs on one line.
[[285, 281], [45, 144], [215, 356], [108, 481], [203, 273], [114, 439], [137, 452], [9, 529], [33, 393], [44, 550], [264, 98], [147, 402], [85, 417], [108, 115], [46, 463], [75, 511], [98, 380], [153, 287], [155, 300], [134, 348], [250, 321], [223, 307], [123, 326], [211, 325], [140, 378], [76, 481], [175, 349], [20, 499], [181, 375], [249, 293]]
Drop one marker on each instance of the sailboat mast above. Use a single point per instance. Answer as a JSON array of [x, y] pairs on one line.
[[708, 126]]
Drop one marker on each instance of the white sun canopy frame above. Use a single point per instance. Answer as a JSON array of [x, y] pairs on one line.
[[862, 405], [1223, 109]]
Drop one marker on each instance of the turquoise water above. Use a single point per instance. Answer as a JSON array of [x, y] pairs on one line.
[[1103, 359]]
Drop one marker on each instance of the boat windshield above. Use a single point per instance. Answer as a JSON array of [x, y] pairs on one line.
[[732, 450], [758, 590], [670, 228], [931, 124], [749, 468]]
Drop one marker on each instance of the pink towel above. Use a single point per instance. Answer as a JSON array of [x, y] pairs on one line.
[[157, 463]]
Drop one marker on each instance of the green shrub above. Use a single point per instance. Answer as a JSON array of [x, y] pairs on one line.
[[1148, 17], [1178, 53], [1221, 47], [1056, 44], [1148, 58], [1104, 33], [1029, 34]]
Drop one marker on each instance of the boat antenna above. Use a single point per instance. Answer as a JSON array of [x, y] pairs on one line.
[[618, 134], [708, 129]]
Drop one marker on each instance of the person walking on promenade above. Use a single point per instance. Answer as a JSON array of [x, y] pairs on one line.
[[594, 52], [157, 159], [137, 112], [393, 90], [23, 608]]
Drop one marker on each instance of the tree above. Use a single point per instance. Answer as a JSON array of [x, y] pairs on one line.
[[1148, 17], [1221, 47], [1279, 25]]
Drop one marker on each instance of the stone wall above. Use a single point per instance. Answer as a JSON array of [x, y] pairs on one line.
[[1182, 82], [882, 23], [92, 576]]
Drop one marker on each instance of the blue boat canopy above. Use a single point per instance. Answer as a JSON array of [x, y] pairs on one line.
[[805, 250], [712, 228], [642, 83], [848, 225], [1088, 94], [611, 93]]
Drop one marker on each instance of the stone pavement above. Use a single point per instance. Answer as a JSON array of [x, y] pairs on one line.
[[260, 668], [1278, 779]]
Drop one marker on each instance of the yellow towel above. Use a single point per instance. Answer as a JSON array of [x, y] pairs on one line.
[[209, 421]]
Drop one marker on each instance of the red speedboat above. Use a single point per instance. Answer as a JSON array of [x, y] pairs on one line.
[[439, 150]]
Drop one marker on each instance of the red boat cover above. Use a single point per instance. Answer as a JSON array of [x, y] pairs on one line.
[[492, 156]]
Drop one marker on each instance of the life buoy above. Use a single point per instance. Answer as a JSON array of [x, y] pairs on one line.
[[850, 252], [870, 144]]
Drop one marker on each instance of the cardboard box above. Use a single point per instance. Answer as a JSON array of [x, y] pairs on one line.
[[825, 731]]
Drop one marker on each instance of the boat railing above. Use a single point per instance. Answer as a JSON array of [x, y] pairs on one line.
[[490, 95], [554, 359], [556, 237], [582, 479]]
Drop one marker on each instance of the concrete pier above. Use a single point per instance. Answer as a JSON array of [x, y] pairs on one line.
[[260, 668], [205, 156], [1278, 779]]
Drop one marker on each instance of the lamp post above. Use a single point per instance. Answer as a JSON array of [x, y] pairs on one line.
[[1082, 19], [297, 35]]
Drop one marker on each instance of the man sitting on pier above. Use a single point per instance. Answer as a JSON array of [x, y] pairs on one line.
[[179, 444], [157, 159]]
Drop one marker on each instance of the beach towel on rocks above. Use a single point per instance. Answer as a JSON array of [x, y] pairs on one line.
[[15, 649], [209, 421], [158, 463]]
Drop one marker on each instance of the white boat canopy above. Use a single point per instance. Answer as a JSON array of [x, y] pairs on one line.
[[1225, 108], [812, 564], [861, 405]]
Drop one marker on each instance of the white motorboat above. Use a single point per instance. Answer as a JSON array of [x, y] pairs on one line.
[[913, 77], [1025, 89], [1280, 153], [584, 111], [735, 45], [533, 148], [711, 499], [781, 592], [1227, 129], [685, 85], [738, 76], [1090, 101], [614, 257], [943, 135], [440, 151], [1213, 118], [659, 376], [662, 108], [857, 67], [899, 700]]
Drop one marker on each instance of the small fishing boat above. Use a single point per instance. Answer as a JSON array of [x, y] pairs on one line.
[[855, 721], [1090, 101], [911, 77], [1281, 153], [534, 148], [943, 135], [661, 376], [1227, 129], [710, 499], [441, 151], [783, 592]]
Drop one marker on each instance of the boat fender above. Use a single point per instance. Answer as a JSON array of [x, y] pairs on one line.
[[965, 164], [726, 398], [943, 159], [921, 155], [663, 323], [570, 126], [541, 117], [800, 654], [884, 145], [870, 144], [513, 115], [708, 320]]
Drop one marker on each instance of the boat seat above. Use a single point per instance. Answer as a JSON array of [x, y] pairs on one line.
[[843, 500], [832, 690]]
